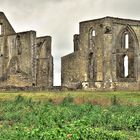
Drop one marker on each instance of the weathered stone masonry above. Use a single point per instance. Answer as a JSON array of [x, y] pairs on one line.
[[106, 56], [24, 59]]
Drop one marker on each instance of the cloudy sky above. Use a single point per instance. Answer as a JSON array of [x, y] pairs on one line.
[[60, 19]]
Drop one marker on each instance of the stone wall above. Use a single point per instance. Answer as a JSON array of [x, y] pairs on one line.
[[6, 27], [115, 51], [76, 42], [73, 69], [102, 45], [17, 59], [24, 58], [44, 62]]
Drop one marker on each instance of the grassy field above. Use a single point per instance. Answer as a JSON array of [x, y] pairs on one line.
[[70, 115], [79, 97]]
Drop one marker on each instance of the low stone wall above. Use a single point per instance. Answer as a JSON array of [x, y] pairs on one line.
[[123, 86], [27, 88]]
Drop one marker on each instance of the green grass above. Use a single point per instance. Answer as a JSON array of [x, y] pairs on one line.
[[70, 115], [80, 97]]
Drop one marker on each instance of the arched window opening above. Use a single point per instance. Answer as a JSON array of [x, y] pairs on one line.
[[126, 62], [126, 41], [126, 66], [92, 38], [93, 33]]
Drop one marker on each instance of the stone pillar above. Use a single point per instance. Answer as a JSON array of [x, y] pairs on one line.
[[99, 62], [107, 70], [33, 57]]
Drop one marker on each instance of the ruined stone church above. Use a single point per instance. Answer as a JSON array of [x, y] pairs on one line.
[[106, 56], [25, 60]]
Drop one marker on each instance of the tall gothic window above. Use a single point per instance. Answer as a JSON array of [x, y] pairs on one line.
[[125, 58], [91, 55]]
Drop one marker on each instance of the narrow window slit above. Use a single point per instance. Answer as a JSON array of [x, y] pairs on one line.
[[125, 66], [126, 41], [93, 33]]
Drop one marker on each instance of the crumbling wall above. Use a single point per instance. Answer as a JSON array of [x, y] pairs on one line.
[[73, 69], [44, 62], [20, 45], [17, 59], [76, 41], [6, 27], [85, 65], [24, 60], [102, 45], [115, 52], [91, 42]]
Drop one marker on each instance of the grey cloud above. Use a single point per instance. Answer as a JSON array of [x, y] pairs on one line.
[[121, 8]]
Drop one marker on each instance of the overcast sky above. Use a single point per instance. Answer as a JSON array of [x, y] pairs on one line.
[[60, 19]]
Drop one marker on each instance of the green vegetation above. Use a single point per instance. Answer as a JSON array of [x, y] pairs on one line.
[[79, 97], [70, 115]]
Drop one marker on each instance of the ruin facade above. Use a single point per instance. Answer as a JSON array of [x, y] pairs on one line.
[[25, 60], [106, 56]]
